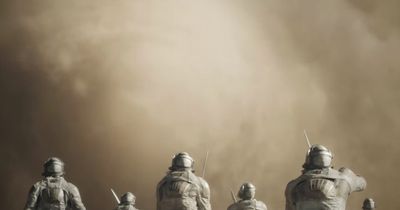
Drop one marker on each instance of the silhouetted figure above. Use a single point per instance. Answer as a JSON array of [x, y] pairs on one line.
[[247, 201], [127, 202], [181, 189], [368, 204], [321, 187], [54, 192]]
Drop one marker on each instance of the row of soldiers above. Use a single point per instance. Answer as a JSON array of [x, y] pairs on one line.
[[319, 187]]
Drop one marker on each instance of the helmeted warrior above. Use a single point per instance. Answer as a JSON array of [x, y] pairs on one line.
[[181, 189], [368, 204], [320, 187], [127, 202], [247, 201], [54, 192]]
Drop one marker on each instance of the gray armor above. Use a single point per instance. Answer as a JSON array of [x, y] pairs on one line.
[[247, 202], [127, 202], [181, 189], [321, 187], [368, 204], [54, 192]]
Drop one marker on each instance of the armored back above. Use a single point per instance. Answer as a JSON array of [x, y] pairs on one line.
[[126, 207], [251, 204], [53, 195], [319, 188], [178, 191], [247, 205]]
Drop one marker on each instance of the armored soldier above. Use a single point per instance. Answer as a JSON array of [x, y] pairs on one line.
[[54, 192], [368, 204], [127, 202], [320, 187], [181, 189], [247, 202]]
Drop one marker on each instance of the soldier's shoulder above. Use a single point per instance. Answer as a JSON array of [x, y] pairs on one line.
[[163, 179], [261, 204], [71, 187], [233, 206], [294, 182], [204, 187], [202, 182], [201, 179], [344, 170], [38, 183], [131, 207], [346, 173], [357, 182]]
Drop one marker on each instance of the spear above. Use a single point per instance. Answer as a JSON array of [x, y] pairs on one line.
[[115, 196], [308, 141], [205, 165], [233, 196]]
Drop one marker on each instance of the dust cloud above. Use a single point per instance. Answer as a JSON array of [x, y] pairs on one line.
[[115, 88]]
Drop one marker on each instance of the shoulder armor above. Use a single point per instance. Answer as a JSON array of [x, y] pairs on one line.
[[261, 205], [344, 170], [204, 187]]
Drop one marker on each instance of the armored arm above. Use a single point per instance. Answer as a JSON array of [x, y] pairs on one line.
[[33, 196], [288, 194], [356, 182], [159, 192], [203, 199], [360, 183], [288, 205], [74, 201]]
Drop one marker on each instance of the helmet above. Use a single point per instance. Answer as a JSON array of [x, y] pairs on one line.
[[247, 191], [182, 160], [53, 167], [128, 198], [318, 156], [317, 149], [368, 204]]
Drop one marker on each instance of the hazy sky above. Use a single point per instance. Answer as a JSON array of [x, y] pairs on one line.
[[115, 88]]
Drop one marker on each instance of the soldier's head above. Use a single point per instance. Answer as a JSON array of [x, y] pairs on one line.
[[182, 161], [318, 157], [368, 204], [53, 167], [128, 199], [247, 191]]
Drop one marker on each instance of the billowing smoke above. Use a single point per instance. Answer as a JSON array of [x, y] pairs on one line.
[[115, 88]]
